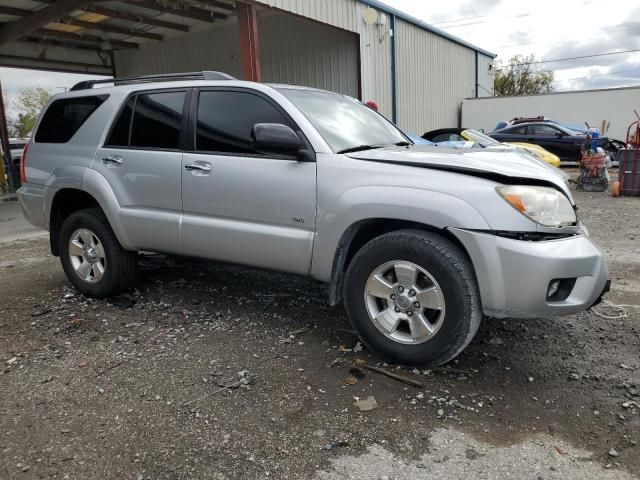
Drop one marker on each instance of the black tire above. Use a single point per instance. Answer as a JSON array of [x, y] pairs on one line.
[[452, 270], [121, 264]]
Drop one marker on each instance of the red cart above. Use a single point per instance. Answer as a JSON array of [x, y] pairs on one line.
[[628, 183]]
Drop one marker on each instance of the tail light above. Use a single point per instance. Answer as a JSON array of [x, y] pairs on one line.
[[23, 164]]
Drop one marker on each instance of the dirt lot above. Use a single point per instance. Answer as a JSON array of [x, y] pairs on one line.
[[135, 388]]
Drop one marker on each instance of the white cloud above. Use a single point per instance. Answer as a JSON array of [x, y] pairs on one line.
[[549, 29]]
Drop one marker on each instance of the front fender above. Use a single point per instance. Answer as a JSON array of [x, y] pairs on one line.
[[435, 209]]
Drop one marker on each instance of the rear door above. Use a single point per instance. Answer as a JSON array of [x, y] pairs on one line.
[[141, 161], [239, 205]]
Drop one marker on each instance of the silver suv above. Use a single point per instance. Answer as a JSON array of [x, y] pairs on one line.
[[419, 242]]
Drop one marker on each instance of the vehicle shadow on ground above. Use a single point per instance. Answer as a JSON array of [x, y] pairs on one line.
[[517, 378], [151, 363]]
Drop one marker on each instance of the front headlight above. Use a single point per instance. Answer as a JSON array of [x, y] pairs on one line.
[[543, 205]]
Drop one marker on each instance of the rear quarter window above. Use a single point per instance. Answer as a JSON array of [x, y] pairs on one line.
[[64, 117]]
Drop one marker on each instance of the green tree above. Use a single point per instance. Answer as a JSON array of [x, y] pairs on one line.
[[520, 77], [28, 104]]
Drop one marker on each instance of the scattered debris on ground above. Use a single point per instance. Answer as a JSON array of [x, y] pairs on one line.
[[214, 371]]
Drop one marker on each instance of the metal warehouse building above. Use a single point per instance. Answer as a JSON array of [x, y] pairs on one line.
[[416, 73]]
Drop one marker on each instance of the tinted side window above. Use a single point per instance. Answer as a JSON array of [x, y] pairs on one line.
[[157, 119], [517, 131], [64, 117], [226, 119], [449, 137], [119, 136], [542, 130]]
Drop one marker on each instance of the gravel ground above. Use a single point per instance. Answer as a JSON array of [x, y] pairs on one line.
[[214, 371]]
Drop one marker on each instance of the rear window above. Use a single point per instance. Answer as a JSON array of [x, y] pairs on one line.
[[64, 117]]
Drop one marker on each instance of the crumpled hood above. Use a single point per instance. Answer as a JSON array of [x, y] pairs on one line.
[[486, 162]]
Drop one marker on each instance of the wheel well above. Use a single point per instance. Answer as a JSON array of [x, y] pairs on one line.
[[66, 202], [357, 235]]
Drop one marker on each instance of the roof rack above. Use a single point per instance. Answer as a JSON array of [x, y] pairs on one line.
[[518, 120], [162, 77]]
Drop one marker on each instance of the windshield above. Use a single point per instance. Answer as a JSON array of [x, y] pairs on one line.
[[480, 138], [344, 122]]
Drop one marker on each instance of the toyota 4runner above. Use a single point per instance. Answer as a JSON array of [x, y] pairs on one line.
[[418, 242]]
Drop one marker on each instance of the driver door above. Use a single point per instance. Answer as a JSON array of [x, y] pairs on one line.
[[238, 205], [550, 138]]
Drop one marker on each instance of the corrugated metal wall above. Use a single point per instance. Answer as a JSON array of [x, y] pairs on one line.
[[302, 52], [485, 76], [339, 13], [214, 49], [434, 76], [292, 50], [375, 48], [434, 73]]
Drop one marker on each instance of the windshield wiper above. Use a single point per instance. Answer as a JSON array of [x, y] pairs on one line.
[[403, 144], [360, 148]]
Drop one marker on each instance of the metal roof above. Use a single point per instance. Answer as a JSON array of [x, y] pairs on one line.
[[80, 36], [425, 26]]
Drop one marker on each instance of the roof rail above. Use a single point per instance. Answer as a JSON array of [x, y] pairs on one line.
[[162, 77]]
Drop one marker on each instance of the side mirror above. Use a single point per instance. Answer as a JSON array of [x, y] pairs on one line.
[[275, 138]]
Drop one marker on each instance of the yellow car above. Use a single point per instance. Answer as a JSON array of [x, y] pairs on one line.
[[454, 135], [539, 152]]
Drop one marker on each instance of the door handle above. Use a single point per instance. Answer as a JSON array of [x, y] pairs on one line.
[[198, 166], [116, 159]]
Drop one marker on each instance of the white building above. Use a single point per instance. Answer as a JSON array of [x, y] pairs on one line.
[[611, 110], [417, 74]]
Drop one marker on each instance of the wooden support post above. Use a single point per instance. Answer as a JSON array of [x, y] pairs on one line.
[[6, 151], [248, 29]]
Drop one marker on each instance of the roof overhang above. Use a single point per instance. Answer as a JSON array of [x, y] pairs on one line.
[[425, 26], [81, 36]]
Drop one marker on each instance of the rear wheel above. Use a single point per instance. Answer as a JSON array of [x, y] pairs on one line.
[[412, 296], [91, 256]]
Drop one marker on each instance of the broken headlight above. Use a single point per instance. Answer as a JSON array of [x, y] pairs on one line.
[[544, 205]]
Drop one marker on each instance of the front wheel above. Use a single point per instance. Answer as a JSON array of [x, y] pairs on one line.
[[412, 296], [91, 256]]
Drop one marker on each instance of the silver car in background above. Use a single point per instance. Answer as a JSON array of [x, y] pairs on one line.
[[418, 242]]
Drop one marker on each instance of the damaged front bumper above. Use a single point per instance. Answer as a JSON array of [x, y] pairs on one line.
[[516, 278]]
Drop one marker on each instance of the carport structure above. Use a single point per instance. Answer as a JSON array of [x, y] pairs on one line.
[[80, 36], [416, 73], [85, 37]]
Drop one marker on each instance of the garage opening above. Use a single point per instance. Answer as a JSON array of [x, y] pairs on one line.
[[291, 50]]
